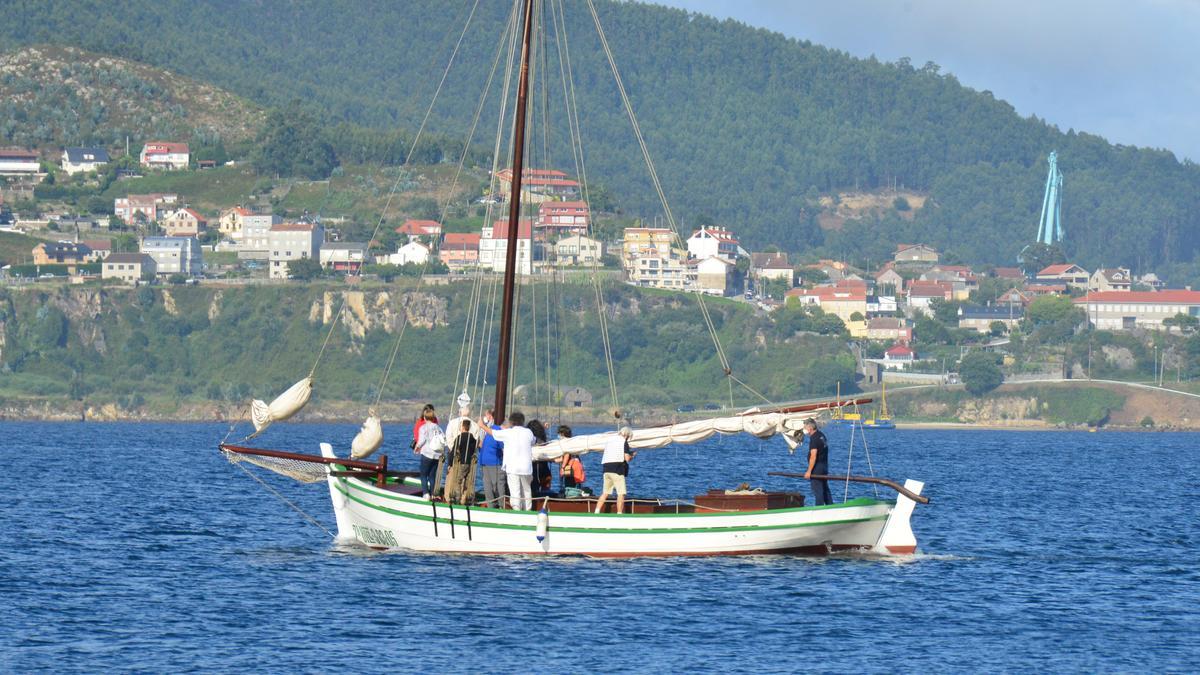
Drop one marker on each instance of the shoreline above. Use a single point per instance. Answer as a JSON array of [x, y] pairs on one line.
[[398, 414]]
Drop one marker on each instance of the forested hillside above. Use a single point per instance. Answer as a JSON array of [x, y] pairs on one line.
[[748, 127], [66, 96], [180, 344]]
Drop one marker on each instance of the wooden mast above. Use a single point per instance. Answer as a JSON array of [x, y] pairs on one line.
[[514, 219]]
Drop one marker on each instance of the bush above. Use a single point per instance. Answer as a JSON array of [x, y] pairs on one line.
[[979, 373]]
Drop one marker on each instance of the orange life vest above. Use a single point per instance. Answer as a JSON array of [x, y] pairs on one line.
[[575, 468]]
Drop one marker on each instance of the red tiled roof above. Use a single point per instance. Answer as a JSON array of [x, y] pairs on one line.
[[900, 350], [419, 227], [770, 261], [904, 247], [1167, 297], [193, 214], [547, 207], [828, 293], [98, 244], [292, 227], [1055, 269], [524, 231], [930, 289], [460, 241], [164, 147], [1007, 273], [18, 153], [718, 233]]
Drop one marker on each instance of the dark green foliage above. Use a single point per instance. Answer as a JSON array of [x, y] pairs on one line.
[[795, 318], [1051, 309], [292, 144], [746, 126], [304, 269], [980, 373], [1040, 256]]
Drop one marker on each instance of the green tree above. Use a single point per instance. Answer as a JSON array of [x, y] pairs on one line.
[[1040, 256], [1185, 322], [945, 311], [900, 204], [997, 328], [292, 144], [304, 269], [1051, 309], [980, 373]]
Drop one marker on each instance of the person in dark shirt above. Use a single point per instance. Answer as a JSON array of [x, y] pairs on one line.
[[543, 479], [460, 479], [818, 463]]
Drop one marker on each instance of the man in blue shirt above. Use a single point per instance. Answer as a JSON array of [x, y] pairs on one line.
[[491, 456], [818, 463]]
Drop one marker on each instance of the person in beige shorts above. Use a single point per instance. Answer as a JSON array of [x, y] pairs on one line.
[[616, 466]]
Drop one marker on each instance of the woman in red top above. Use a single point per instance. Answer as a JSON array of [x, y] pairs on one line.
[[421, 420]]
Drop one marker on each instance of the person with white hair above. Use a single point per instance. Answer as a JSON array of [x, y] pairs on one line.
[[615, 461]]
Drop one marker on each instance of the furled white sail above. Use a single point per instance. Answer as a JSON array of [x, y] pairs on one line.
[[762, 425], [284, 406], [369, 437]]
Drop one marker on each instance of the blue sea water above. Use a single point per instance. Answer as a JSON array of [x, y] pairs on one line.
[[138, 547]]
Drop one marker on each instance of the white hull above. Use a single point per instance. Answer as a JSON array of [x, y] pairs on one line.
[[384, 519]]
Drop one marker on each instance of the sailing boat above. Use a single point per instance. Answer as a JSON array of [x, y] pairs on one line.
[[882, 419], [385, 509]]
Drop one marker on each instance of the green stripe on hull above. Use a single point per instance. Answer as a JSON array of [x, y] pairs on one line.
[[859, 501], [619, 530]]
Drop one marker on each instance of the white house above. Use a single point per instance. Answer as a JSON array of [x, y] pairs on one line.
[[713, 241], [150, 206], [128, 267], [578, 250], [343, 256], [293, 241], [255, 241], [493, 246], [414, 252], [17, 161], [184, 222], [174, 255], [1127, 310], [712, 275], [165, 155], [771, 266], [82, 160]]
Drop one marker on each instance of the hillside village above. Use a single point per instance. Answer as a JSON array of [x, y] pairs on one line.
[[158, 238]]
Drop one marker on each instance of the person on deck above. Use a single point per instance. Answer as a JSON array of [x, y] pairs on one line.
[[518, 459], [615, 461], [460, 483], [818, 463], [491, 454], [430, 444], [570, 467], [420, 422], [543, 479]]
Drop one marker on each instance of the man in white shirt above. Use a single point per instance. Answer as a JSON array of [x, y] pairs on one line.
[[518, 459], [616, 466]]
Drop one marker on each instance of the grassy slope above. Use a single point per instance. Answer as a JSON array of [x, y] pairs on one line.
[[15, 248]]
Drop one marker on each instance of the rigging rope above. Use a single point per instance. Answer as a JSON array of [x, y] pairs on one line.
[[285, 500], [708, 321], [566, 73], [446, 205], [396, 184]]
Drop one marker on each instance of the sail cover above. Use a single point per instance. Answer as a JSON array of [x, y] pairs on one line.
[[369, 438], [287, 404], [761, 425]]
